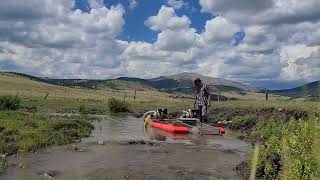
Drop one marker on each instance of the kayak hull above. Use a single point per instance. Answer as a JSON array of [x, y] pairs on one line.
[[170, 127]]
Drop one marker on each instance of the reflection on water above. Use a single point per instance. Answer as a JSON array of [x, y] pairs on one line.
[[129, 128], [116, 128]]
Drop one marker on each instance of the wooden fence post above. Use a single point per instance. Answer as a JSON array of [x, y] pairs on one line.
[[135, 92], [267, 95], [46, 96]]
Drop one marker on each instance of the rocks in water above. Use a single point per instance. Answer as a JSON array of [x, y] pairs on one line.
[[17, 165], [142, 142], [76, 148], [137, 142], [50, 173], [20, 165], [101, 142], [77, 141], [47, 175]]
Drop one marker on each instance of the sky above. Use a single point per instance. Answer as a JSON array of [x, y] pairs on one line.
[[272, 44]]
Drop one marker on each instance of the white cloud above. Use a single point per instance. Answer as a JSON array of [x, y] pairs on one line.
[[273, 12], [219, 30], [177, 4], [175, 32], [96, 4], [64, 43], [133, 4], [167, 19], [284, 34], [301, 62]]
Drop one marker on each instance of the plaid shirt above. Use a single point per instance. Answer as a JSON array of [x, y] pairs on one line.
[[203, 95]]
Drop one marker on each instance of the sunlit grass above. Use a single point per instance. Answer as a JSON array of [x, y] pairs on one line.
[[28, 132], [254, 162]]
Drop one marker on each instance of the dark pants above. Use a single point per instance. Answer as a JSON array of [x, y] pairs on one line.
[[203, 112]]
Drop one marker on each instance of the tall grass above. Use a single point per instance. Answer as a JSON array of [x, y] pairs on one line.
[[9, 102], [288, 149], [3, 165], [28, 132], [117, 106]]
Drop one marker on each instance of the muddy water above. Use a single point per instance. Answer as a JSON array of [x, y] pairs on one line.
[[124, 156]]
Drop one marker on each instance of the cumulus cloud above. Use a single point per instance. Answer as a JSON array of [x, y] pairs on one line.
[[244, 6], [167, 19], [175, 32], [219, 30], [265, 12], [62, 42], [301, 62], [281, 42], [177, 4], [284, 33]]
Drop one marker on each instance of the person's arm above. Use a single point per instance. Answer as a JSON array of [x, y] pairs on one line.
[[209, 95]]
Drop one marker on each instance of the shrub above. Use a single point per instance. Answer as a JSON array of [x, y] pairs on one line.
[[90, 110], [3, 165], [288, 150], [117, 106], [9, 102], [243, 122], [66, 131], [82, 109]]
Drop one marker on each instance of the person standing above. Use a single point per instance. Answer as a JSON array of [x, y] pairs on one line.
[[202, 99]]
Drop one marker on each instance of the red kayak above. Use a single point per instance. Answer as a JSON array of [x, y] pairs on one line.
[[170, 127], [181, 129]]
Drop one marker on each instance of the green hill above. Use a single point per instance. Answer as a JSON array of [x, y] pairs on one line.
[[310, 89]]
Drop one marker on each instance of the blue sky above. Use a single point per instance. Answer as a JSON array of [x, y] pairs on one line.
[[259, 43], [135, 28]]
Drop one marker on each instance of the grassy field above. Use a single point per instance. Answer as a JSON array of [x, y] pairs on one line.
[[284, 132]]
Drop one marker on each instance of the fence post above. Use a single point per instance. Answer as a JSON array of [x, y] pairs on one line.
[[135, 92], [267, 95], [46, 96]]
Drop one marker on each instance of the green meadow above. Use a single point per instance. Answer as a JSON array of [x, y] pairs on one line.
[[283, 132]]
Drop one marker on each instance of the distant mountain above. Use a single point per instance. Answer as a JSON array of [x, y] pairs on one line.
[[186, 80], [310, 89], [178, 83], [117, 84]]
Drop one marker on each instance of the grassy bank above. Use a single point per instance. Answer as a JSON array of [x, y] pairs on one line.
[[287, 149], [28, 132], [24, 132], [285, 134]]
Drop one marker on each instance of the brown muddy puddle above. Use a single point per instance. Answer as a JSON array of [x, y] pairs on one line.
[[127, 154]]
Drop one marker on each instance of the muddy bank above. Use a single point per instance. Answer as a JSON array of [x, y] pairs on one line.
[[127, 154]]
